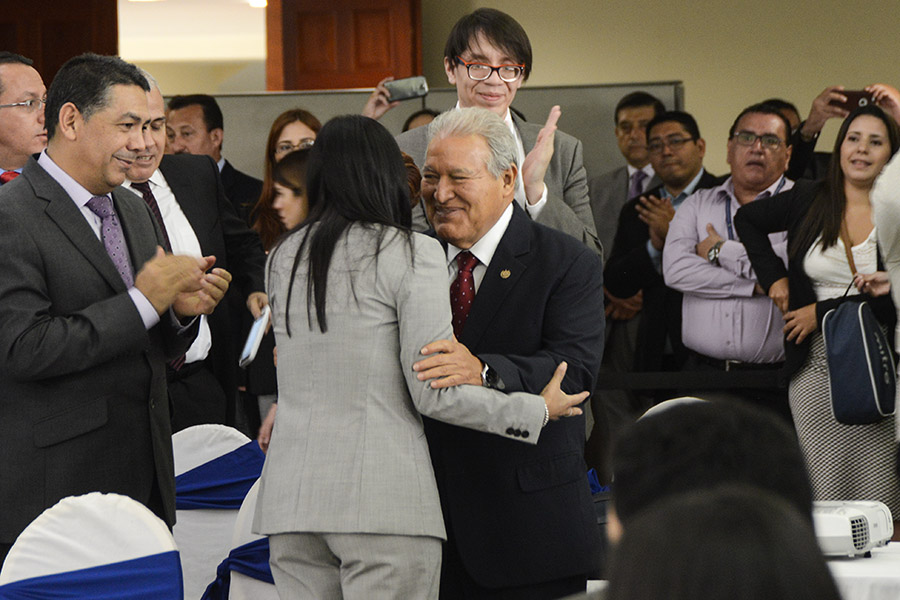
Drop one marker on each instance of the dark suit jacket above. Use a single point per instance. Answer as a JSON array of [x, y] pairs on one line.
[[199, 190], [82, 382], [630, 270], [242, 190], [785, 212], [609, 193], [523, 514]]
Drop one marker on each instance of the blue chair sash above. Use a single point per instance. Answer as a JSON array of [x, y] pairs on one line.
[[251, 559], [222, 482], [156, 576]]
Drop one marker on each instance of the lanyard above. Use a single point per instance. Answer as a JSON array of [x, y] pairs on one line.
[[728, 207]]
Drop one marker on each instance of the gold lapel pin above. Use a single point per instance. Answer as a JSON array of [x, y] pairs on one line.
[[504, 274]]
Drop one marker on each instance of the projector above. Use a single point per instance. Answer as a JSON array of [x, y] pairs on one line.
[[852, 528]]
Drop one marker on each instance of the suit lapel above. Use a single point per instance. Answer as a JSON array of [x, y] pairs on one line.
[[508, 264], [187, 197], [62, 211], [528, 134]]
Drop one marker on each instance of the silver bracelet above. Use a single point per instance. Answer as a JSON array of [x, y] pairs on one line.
[[546, 415]]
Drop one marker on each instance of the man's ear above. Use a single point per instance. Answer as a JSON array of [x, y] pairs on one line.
[[450, 70], [70, 121], [509, 177], [217, 135]]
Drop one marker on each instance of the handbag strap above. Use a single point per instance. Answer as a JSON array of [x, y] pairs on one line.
[[845, 238]]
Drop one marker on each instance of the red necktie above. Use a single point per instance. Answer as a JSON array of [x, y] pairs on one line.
[[150, 199], [462, 290], [7, 176]]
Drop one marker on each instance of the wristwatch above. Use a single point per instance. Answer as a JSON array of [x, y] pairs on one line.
[[489, 377], [713, 254]]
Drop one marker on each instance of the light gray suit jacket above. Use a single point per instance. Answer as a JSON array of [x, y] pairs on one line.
[[348, 453], [609, 193], [568, 205]]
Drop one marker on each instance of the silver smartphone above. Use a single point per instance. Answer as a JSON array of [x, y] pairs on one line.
[[405, 89]]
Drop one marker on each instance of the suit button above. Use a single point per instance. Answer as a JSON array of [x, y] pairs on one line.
[[525, 434], [510, 431], [518, 432]]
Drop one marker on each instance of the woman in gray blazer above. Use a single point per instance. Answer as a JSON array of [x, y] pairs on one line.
[[348, 495]]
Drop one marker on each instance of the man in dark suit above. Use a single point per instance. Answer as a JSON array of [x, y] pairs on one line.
[[199, 220], [488, 57], [520, 521], [676, 152], [90, 308], [22, 132], [194, 125]]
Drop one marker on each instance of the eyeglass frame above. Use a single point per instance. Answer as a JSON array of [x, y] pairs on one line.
[[762, 143], [303, 145], [470, 64], [675, 144], [29, 104]]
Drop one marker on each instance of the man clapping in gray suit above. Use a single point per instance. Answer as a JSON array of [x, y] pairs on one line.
[[90, 308], [487, 58]]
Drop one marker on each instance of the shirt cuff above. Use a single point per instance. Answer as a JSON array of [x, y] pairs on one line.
[[655, 256], [534, 210], [148, 314]]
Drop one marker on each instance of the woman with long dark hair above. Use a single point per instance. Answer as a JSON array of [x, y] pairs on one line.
[[348, 495], [846, 462]]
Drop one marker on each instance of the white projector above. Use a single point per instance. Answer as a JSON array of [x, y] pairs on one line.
[[851, 528]]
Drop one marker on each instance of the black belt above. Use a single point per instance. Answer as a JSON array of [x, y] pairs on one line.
[[735, 365]]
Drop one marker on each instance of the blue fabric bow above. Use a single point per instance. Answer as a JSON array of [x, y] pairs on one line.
[[221, 483], [251, 559]]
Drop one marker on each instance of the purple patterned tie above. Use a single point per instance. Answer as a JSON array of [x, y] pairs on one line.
[[113, 237], [637, 184], [462, 290], [150, 199]]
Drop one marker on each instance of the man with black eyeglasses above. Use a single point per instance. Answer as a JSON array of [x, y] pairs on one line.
[[22, 131], [488, 57], [728, 323]]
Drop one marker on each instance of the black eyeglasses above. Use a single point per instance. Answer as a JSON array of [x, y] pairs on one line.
[[31, 105], [748, 138], [480, 71], [675, 143]]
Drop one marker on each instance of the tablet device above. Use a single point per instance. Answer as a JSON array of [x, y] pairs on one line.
[[257, 331]]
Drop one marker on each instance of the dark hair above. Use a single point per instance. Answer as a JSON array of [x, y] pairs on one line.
[[783, 105], [85, 81], [636, 100], [764, 109], [678, 116], [413, 178], [701, 445], [11, 58], [826, 213], [730, 543], [263, 217], [498, 28], [290, 171], [212, 114], [355, 174], [416, 115]]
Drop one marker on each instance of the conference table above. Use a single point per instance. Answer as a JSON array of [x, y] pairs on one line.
[[869, 578]]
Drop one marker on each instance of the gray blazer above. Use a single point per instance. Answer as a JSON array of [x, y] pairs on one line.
[[348, 453], [82, 382], [609, 193], [568, 205]]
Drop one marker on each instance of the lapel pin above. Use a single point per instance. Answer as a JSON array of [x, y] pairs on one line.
[[504, 274]]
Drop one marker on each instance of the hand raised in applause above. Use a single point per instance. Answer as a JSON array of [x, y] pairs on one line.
[[204, 301], [534, 167], [165, 276], [559, 403], [657, 213], [450, 364]]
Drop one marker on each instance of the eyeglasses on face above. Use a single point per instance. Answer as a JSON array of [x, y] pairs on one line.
[[748, 138], [674, 143], [480, 71], [285, 147], [30, 105]]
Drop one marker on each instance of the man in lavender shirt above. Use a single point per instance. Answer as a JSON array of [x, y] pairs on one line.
[[728, 323]]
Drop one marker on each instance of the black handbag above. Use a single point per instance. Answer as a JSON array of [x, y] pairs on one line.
[[862, 377]]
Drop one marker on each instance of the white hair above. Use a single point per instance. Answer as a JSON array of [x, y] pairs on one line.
[[464, 122]]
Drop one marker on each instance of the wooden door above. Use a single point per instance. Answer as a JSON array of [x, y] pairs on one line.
[[339, 44]]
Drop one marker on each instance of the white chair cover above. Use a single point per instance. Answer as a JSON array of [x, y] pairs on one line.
[[81, 532], [203, 536], [242, 586]]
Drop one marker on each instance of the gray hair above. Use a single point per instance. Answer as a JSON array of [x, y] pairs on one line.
[[464, 122], [151, 80]]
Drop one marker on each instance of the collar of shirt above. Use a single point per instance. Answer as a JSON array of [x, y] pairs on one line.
[[687, 191], [779, 185], [220, 164], [483, 249], [75, 190], [648, 171]]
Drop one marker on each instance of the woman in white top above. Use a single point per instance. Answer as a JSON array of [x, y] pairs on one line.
[[846, 462]]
